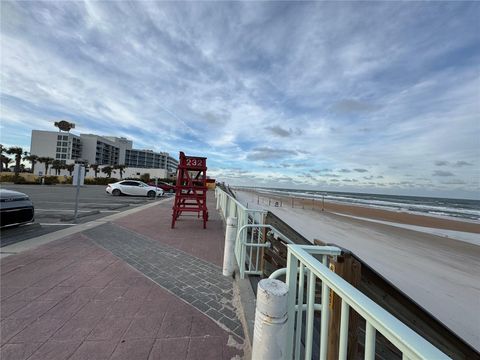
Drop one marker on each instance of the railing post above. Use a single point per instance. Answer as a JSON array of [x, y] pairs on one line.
[[350, 270], [270, 330], [291, 278], [229, 251]]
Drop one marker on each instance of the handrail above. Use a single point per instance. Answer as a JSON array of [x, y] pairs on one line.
[[300, 265], [230, 207], [299, 260]]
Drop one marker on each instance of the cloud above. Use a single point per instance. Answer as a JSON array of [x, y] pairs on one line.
[[344, 170], [352, 105], [453, 182], [328, 85], [442, 173], [361, 170], [441, 163], [317, 171], [266, 153], [281, 132], [462, 163]]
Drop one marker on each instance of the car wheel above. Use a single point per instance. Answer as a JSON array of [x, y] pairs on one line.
[[151, 194], [116, 192]]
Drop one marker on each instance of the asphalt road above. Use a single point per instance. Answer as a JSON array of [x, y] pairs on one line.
[[55, 207]]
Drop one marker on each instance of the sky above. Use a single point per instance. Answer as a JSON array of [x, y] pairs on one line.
[[380, 97]]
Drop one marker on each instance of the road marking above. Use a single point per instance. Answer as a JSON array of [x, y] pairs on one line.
[[33, 243], [48, 224], [84, 203], [80, 211]]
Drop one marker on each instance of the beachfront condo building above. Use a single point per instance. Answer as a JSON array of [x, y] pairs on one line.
[[95, 149]]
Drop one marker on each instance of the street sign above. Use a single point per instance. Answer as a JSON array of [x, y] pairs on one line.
[[78, 180], [78, 175]]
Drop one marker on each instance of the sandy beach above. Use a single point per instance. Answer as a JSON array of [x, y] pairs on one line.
[[438, 272], [367, 212]]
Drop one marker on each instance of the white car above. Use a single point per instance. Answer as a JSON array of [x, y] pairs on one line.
[[132, 187]]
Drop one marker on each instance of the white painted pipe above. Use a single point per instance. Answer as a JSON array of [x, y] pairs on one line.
[[270, 330], [229, 251]]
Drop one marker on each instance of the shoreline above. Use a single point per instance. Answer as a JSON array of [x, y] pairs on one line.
[[400, 217]]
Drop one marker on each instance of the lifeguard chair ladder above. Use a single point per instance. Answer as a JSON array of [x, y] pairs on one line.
[[191, 188]]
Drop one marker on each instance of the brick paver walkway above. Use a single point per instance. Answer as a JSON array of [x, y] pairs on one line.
[[76, 298], [194, 280]]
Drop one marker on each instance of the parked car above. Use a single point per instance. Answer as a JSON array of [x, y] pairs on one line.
[[166, 187], [16, 208], [133, 187]]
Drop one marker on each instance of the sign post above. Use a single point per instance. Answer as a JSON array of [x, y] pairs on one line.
[[78, 180]]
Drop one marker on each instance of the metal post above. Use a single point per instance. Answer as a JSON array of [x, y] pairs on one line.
[[270, 330], [229, 251], [369, 342], [79, 169]]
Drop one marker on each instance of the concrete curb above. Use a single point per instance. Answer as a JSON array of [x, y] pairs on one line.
[[248, 303], [45, 239]]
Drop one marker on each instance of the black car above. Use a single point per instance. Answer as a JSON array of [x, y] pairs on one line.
[[16, 208]]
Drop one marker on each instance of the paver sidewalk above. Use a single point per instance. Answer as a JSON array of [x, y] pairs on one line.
[[131, 289]]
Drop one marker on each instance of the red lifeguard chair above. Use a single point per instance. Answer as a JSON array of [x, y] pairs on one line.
[[191, 188]]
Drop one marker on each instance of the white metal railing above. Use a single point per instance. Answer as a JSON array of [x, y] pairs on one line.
[[248, 261], [251, 247], [301, 263]]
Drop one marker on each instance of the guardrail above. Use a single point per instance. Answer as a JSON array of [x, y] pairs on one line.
[[301, 263], [251, 246], [230, 207]]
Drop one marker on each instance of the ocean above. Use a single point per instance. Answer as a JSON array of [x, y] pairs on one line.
[[442, 207]]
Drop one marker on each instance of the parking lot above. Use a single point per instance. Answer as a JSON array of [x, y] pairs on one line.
[[55, 207]]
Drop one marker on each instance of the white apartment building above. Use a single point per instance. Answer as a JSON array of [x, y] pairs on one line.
[[96, 149], [56, 145]]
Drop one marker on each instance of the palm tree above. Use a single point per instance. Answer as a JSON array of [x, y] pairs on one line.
[[5, 161], [121, 169], [57, 165], [45, 160], [32, 159], [95, 169], [70, 168], [108, 170], [17, 151], [86, 165]]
